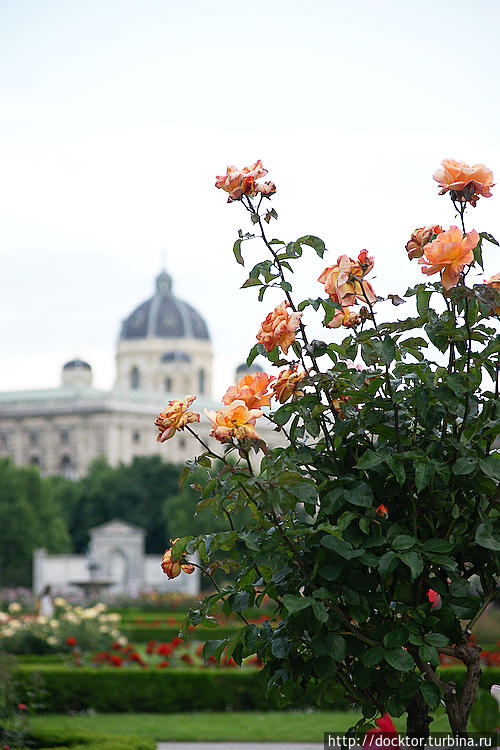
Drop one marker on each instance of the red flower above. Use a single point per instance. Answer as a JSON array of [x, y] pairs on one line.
[[434, 598], [384, 736], [163, 664], [175, 642], [115, 660], [164, 649], [22, 706], [71, 641], [150, 647]]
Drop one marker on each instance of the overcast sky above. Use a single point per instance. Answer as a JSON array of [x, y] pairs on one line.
[[116, 116]]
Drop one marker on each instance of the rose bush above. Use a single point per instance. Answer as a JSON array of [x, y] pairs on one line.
[[369, 523]]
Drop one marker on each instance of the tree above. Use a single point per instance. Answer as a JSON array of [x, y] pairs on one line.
[[367, 525], [135, 493], [28, 519]]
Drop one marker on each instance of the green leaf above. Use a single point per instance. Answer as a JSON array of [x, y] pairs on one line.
[[478, 253], [319, 610], [430, 654], [489, 237], [397, 468], [396, 638], [254, 351], [430, 693], [214, 648], [252, 281], [464, 466], [437, 639], [399, 659], [437, 545], [237, 252], [340, 546], [369, 459], [183, 477], [423, 299], [313, 242], [296, 603], [361, 494], [404, 541], [491, 466], [484, 537], [337, 647], [280, 647], [387, 563], [179, 547], [373, 656], [414, 562], [424, 471]]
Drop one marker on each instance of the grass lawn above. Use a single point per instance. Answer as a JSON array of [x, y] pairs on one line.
[[207, 726]]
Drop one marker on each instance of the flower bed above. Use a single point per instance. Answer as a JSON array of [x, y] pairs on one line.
[[69, 628]]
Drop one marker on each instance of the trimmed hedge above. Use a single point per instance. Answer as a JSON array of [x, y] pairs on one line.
[[145, 633], [65, 739], [114, 690], [174, 690]]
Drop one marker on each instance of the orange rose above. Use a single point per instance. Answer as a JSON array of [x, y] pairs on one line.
[[382, 511], [494, 283], [242, 182], [175, 417], [465, 183], [278, 329], [345, 281], [172, 568], [419, 239], [252, 390], [449, 253], [234, 421], [286, 384], [344, 318]]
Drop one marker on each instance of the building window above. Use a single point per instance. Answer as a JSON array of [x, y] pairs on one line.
[[64, 435], [135, 378], [168, 384], [182, 443], [35, 461], [136, 437], [66, 468], [34, 438], [201, 381], [4, 440]]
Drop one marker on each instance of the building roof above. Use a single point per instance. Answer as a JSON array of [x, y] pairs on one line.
[[164, 316]]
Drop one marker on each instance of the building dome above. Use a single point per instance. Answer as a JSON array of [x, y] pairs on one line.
[[164, 316], [76, 372], [164, 346]]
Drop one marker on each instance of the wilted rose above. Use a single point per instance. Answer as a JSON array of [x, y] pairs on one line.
[[344, 282], [278, 329], [240, 182], [286, 384], [465, 183], [420, 238], [234, 421], [175, 417], [494, 283], [449, 253], [344, 317], [252, 389], [173, 568]]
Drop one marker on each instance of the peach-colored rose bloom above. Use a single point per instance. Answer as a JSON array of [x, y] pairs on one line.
[[449, 253], [172, 568], [344, 318], [252, 389], [494, 283], [286, 384], [175, 417], [266, 189], [420, 238], [278, 329], [344, 281], [471, 181], [240, 182], [234, 421]]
